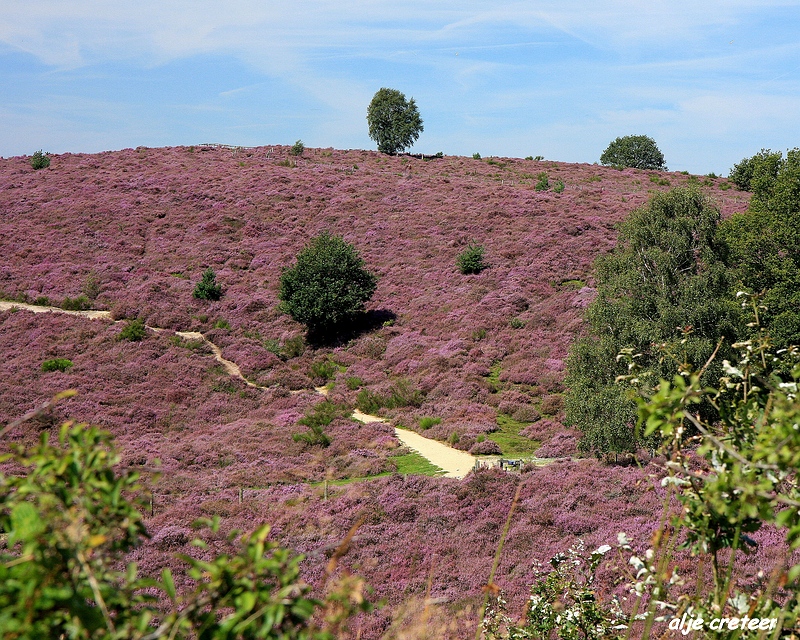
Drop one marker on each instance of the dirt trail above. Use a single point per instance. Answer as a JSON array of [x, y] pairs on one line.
[[455, 463]]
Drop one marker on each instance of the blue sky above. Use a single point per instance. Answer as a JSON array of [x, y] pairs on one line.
[[710, 81]]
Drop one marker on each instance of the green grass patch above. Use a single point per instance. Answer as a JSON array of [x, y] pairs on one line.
[[494, 377], [510, 441], [414, 464]]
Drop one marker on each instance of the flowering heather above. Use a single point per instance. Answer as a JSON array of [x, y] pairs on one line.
[[135, 229]]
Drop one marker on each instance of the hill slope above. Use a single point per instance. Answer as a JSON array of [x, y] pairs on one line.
[[133, 230]]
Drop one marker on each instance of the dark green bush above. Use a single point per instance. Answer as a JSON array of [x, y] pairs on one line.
[[207, 288], [426, 422], [327, 287], [40, 160], [297, 148], [471, 259], [134, 330], [56, 364], [558, 187]]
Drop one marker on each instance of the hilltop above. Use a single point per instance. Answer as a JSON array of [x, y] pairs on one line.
[[132, 231]]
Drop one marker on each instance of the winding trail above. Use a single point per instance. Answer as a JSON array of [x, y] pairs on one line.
[[454, 463]]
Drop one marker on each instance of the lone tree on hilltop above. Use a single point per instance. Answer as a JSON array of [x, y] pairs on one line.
[[327, 287], [394, 122], [639, 152]]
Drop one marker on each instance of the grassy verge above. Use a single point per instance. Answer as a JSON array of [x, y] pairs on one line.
[[510, 441]]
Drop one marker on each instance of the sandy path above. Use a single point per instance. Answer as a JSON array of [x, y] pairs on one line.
[[455, 463], [94, 315]]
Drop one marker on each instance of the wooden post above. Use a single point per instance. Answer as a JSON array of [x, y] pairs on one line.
[[152, 505], [326, 491], [241, 494]]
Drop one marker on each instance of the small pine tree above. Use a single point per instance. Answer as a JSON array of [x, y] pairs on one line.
[[471, 259], [40, 160], [207, 288], [297, 148]]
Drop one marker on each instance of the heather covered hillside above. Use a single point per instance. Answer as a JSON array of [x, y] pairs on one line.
[[479, 356]]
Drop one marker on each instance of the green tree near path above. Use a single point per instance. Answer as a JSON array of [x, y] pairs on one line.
[[327, 287], [665, 281], [639, 152], [394, 122]]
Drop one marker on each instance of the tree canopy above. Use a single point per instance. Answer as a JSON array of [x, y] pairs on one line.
[[765, 243], [394, 122], [665, 281], [639, 152], [327, 286]]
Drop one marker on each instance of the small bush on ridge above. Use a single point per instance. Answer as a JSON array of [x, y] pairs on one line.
[[40, 160], [297, 148]]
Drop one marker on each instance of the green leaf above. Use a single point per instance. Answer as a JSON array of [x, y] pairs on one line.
[[25, 523]]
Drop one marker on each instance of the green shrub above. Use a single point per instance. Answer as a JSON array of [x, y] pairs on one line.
[[207, 288], [471, 259], [81, 303], [542, 182], [56, 364], [656, 179], [639, 152], [327, 287], [516, 323], [222, 324], [479, 334], [134, 330], [286, 163], [558, 187], [476, 156], [40, 160], [42, 301], [539, 158], [454, 439], [369, 401], [427, 422], [324, 369], [297, 148], [354, 383], [294, 347], [529, 157], [401, 394], [394, 122], [316, 419]]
